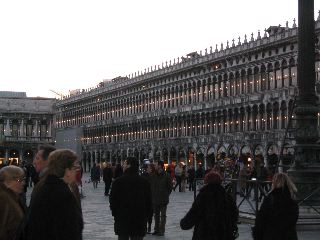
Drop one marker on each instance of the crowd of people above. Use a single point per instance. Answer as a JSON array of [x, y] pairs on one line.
[[137, 196]]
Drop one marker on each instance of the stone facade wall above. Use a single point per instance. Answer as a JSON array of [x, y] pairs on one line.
[[236, 101], [24, 124]]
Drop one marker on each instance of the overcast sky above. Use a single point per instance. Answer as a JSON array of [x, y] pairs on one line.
[[63, 45]]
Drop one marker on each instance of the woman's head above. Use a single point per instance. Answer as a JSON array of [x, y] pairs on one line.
[[63, 164], [281, 180], [212, 178], [13, 178]]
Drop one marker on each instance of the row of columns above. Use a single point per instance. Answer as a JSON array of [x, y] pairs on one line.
[[192, 125], [20, 130], [184, 94]]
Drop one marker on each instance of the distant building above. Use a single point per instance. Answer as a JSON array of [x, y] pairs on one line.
[[25, 122], [228, 101]]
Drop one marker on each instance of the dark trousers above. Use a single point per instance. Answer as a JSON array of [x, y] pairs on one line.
[[107, 188], [160, 217], [191, 184], [127, 237], [95, 183], [178, 179]]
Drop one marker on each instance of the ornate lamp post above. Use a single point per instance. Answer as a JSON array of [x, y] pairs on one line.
[[306, 166]]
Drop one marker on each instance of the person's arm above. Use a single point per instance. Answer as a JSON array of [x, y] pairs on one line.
[[257, 230], [169, 184], [113, 198], [193, 215]]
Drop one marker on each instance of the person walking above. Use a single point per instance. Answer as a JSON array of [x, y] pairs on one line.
[[55, 212], [200, 171], [184, 176], [278, 214], [161, 187], [191, 176], [213, 214], [178, 174], [95, 175], [107, 175], [130, 202], [12, 210], [118, 171], [147, 174]]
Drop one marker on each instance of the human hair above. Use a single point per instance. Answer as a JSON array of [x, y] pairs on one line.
[[10, 172], [60, 160], [133, 162], [46, 150], [152, 167], [161, 164], [281, 180], [212, 177]]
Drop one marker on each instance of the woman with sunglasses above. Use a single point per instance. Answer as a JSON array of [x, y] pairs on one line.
[[12, 210]]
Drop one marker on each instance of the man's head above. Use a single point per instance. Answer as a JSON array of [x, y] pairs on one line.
[[131, 163], [159, 165], [41, 159]]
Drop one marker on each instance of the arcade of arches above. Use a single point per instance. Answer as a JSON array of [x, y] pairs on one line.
[[231, 103]]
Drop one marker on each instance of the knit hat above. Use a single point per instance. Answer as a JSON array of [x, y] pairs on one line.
[[212, 177]]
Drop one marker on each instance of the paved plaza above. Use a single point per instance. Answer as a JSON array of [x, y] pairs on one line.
[[99, 221]]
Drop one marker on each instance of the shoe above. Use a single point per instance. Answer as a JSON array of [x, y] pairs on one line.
[[156, 234]]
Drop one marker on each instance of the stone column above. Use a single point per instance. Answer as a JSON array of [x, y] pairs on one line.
[[50, 129], [7, 129], [6, 155], [22, 126], [20, 155], [306, 167], [35, 131]]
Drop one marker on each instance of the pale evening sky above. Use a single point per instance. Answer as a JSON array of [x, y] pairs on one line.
[[74, 44]]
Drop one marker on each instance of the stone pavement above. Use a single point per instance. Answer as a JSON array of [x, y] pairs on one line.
[[99, 221]]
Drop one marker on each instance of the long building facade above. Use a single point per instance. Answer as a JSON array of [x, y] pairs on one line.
[[25, 123], [232, 100]]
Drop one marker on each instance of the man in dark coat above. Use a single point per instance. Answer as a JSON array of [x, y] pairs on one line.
[[213, 214], [161, 187], [95, 175], [191, 176], [40, 163], [130, 202], [107, 175]]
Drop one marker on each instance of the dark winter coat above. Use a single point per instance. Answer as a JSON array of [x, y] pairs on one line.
[[95, 173], [161, 187], [54, 213], [107, 174], [277, 217], [11, 213], [130, 204], [213, 214]]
